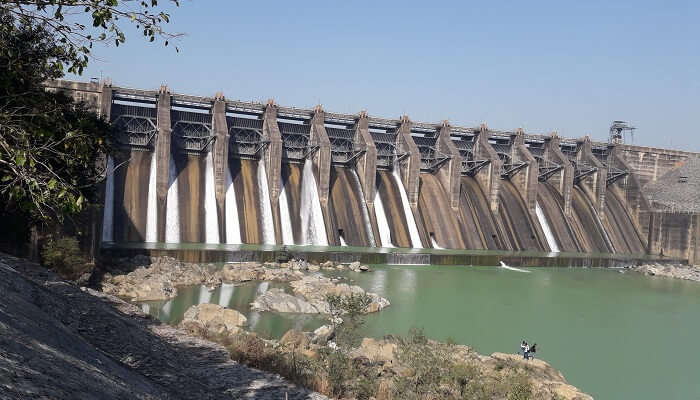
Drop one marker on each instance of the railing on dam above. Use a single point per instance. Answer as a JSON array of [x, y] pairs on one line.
[[135, 125], [464, 141], [245, 136], [191, 131], [295, 140], [430, 157]]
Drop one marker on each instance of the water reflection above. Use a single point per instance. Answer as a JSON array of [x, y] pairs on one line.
[[226, 294]]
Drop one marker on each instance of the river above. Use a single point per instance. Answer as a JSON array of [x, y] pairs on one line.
[[613, 335]]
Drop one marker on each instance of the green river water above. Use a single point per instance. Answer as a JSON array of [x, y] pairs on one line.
[[613, 335]]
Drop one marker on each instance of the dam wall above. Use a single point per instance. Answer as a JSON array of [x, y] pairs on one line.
[[217, 171]]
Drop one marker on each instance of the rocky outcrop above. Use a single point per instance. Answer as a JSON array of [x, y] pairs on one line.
[[678, 271], [160, 279], [543, 376], [310, 296], [212, 320], [277, 300]]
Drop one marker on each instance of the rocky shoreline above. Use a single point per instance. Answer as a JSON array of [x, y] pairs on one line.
[[382, 359], [677, 271]]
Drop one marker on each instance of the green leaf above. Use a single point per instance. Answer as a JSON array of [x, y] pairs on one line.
[[20, 159]]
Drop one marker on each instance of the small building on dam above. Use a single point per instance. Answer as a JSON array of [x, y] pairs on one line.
[[212, 170]]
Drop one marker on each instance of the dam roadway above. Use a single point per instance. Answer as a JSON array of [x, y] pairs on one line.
[[219, 172]]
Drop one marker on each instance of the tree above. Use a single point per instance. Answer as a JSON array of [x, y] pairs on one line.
[[65, 21], [50, 147]]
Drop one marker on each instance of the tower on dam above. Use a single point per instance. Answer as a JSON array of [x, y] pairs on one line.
[[212, 170]]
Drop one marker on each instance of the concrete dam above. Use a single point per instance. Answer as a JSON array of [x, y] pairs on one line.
[[211, 170]]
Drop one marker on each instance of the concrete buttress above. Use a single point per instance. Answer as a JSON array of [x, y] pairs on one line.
[[163, 158], [449, 173], [220, 155], [272, 158], [563, 180], [488, 177], [321, 160], [597, 182], [366, 163], [526, 180]]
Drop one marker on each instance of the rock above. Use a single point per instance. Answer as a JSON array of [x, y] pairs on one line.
[[322, 334], [212, 319], [377, 350], [364, 268], [340, 267], [354, 266], [294, 338], [277, 300], [327, 264], [314, 267]]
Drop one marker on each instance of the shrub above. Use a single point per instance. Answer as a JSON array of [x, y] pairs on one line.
[[350, 310], [64, 257]]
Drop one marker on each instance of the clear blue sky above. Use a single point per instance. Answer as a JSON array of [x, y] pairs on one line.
[[566, 66]]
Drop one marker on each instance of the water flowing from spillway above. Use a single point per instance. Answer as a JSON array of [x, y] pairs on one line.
[[365, 214], [172, 213], [410, 220], [152, 210], [285, 216], [382, 222], [233, 228], [226, 294], [435, 244], [342, 241], [211, 221], [204, 295], [268, 227], [546, 228], [108, 217], [313, 228]]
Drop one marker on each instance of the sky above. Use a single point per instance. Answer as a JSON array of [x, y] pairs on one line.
[[566, 66]]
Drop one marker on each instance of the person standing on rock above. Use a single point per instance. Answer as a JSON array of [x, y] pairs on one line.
[[522, 347], [526, 352], [533, 350]]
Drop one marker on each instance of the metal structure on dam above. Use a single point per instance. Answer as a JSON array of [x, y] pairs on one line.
[[213, 170]]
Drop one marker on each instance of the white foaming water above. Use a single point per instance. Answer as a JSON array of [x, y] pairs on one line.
[[108, 217], [313, 226], [268, 226], [226, 294], [211, 220], [172, 214], [167, 307], [152, 210], [204, 295], [145, 308], [342, 241], [435, 244], [410, 220], [262, 288], [382, 222], [505, 266], [546, 228], [233, 228], [365, 214], [285, 217]]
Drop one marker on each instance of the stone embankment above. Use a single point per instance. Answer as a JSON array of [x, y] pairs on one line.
[[60, 341], [678, 271], [159, 278]]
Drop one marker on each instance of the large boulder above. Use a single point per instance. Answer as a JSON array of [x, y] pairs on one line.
[[212, 319], [295, 338], [277, 300], [377, 350], [322, 334]]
